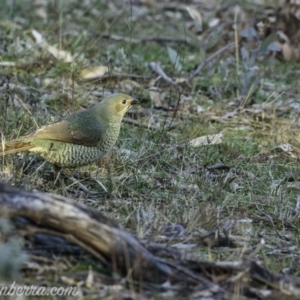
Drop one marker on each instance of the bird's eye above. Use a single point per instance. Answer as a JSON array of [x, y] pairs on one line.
[[124, 101]]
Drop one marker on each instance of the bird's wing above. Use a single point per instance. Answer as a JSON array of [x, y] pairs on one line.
[[64, 132]]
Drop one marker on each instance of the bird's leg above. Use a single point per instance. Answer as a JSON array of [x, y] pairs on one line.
[[68, 173], [60, 176], [76, 181], [57, 171], [96, 180]]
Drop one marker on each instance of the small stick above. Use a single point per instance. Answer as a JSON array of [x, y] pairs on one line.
[[210, 58], [145, 40], [155, 66], [297, 207]]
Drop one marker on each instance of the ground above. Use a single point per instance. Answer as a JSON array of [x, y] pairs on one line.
[[243, 184]]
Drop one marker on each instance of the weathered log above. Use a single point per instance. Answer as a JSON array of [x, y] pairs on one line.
[[49, 214], [86, 226]]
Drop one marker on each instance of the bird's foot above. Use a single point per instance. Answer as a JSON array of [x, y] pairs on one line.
[[92, 178], [82, 186], [75, 178]]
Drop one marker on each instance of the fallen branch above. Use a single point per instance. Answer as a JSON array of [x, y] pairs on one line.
[[210, 58], [155, 66], [89, 227], [114, 37], [56, 218]]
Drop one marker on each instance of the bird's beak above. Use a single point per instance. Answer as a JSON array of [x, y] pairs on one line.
[[134, 101]]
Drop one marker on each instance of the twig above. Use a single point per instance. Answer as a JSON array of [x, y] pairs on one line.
[[210, 58], [146, 40], [192, 275], [257, 249], [272, 222], [297, 207], [155, 66]]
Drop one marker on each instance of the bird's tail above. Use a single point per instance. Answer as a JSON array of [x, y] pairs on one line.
[[14, 146]]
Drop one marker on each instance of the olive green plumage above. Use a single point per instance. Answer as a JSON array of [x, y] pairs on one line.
[[80, 139]]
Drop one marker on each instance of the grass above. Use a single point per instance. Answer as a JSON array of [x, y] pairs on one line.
[[154, 177]]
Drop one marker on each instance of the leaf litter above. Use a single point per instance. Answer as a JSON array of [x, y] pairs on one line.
[[227, 104]]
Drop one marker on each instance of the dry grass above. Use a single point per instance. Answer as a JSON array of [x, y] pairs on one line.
[[246, 186]]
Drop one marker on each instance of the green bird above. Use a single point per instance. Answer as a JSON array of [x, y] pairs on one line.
[[80, 139]]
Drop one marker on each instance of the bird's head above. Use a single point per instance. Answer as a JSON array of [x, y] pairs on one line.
[[116, 105]]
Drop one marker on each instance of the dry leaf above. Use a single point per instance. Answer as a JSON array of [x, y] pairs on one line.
[[180, 80], [244, 226], [214, 22], [93, 73], [129, 85], [288, 149], [60, 54], [57, 53], [213, 139], [40, 8], [7, 24], [195, 15], [38, 37], [155, 97], [68, 280], [89, 282], [7, 63]]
